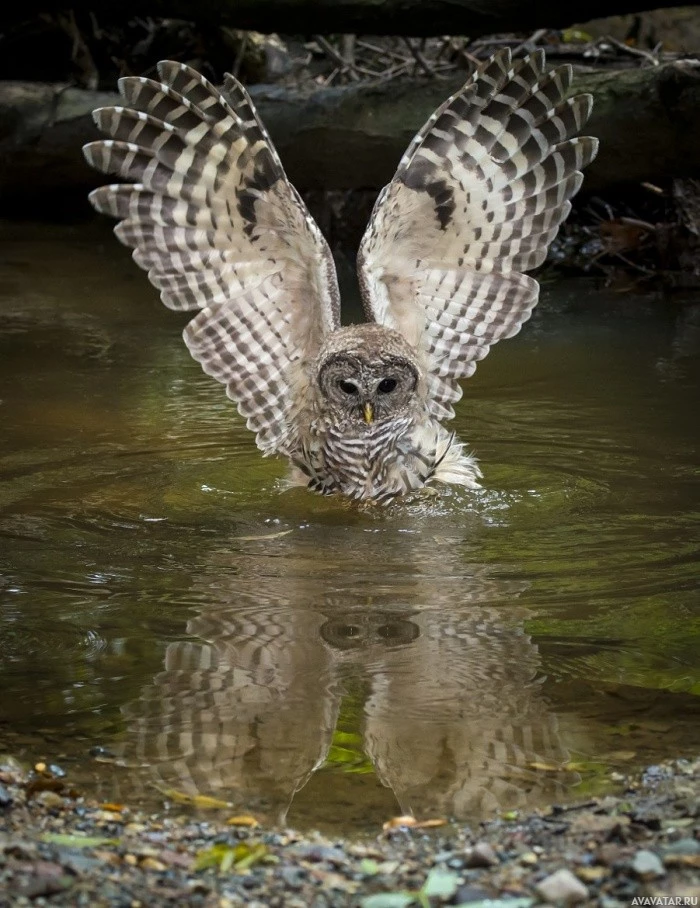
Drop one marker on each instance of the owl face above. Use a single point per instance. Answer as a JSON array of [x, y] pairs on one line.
[[365, 392]]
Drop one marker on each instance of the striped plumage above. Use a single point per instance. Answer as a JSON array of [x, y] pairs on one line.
[[477, 198]]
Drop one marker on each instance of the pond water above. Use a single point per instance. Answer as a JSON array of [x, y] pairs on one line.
[[171, 619]]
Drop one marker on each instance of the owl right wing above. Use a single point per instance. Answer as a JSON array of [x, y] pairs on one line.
[[478, 197], [212, 217]]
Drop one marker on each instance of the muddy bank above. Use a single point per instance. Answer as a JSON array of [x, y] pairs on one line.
[[59, 849]]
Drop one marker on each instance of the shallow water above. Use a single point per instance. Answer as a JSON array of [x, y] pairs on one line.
[[169, 618]]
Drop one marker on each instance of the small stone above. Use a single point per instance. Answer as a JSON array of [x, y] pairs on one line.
[[481, 855], [49, 799], [152, 864], [682, 846], [469, 893], [609, 853], [318, 853], [592, 874], [529, 859], [5, 797], [647, 865], [131, 860], [293, 877], [562, 888]]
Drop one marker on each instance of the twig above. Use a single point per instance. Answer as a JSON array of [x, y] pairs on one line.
[[419, 58], [338, 58], [635, 51], [383, 51], [242, 48], [531, 42]]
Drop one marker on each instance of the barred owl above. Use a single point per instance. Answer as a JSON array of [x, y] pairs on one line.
[[476, 200]]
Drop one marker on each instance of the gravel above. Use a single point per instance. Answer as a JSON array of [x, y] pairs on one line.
[[67, 850]]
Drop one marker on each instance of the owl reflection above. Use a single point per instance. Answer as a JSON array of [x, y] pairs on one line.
[[477, 198]]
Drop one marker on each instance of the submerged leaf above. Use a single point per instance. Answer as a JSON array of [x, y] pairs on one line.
[[204, 802], [76, 841], [398, 822], [388, 900], [242, 819], [226, 857], [440, 884]]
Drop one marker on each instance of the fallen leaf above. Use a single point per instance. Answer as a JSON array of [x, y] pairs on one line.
[[243, 819], [440, 884], [204, 802], [225, 857], [413, 823], [76, 841], [369, 867], [388, 900], [547, 767], [430, 824], [397, 822]]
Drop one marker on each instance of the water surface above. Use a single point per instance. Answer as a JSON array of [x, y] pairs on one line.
[[166, 608]]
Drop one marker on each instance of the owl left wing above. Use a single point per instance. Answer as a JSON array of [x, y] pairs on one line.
[[478, 197], [211, 216]]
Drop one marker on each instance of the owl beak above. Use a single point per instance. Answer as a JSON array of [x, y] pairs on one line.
[[368, 412]]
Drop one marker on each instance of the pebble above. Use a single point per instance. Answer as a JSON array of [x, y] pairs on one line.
[[682, 846], [647, 865], [562, 888], [481, 855], [5, 797], [468, 893], [50, 799]]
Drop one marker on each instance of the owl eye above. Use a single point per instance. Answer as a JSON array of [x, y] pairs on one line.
[[387, 385], [347, 387]]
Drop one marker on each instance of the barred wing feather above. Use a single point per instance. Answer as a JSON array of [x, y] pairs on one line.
[[478, 197], [212, 217]]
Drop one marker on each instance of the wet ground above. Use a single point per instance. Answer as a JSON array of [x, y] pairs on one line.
[[640, 847], [170, 619]]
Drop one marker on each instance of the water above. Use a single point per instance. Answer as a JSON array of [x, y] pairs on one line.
[[170, 619]]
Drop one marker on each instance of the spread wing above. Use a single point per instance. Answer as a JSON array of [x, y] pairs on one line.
[[212, 217], [478, 197]]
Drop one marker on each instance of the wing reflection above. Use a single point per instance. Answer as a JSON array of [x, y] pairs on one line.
[[455, 721]]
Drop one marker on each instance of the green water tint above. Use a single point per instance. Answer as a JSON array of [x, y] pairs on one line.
[[458, 654]]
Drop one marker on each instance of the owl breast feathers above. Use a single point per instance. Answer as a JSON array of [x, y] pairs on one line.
[[477, 198]]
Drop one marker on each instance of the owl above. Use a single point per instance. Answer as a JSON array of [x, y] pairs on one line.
[[210, 214]]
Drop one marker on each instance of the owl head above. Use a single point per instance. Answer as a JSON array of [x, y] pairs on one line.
[[367, 374]]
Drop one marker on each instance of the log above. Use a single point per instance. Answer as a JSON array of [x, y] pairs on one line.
[[369, 17], [352, 137]]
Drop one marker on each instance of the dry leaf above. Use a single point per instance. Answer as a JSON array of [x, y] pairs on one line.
[[396, 822], [203, 802], [243, 819]]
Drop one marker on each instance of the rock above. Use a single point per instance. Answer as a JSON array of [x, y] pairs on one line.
[[481, 855], [562, 888], [469, 893], [682, 846], [50, 799], [647, 865], [595, 823], [609, 853], [5, 797], [318, 853], [592, 874]]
